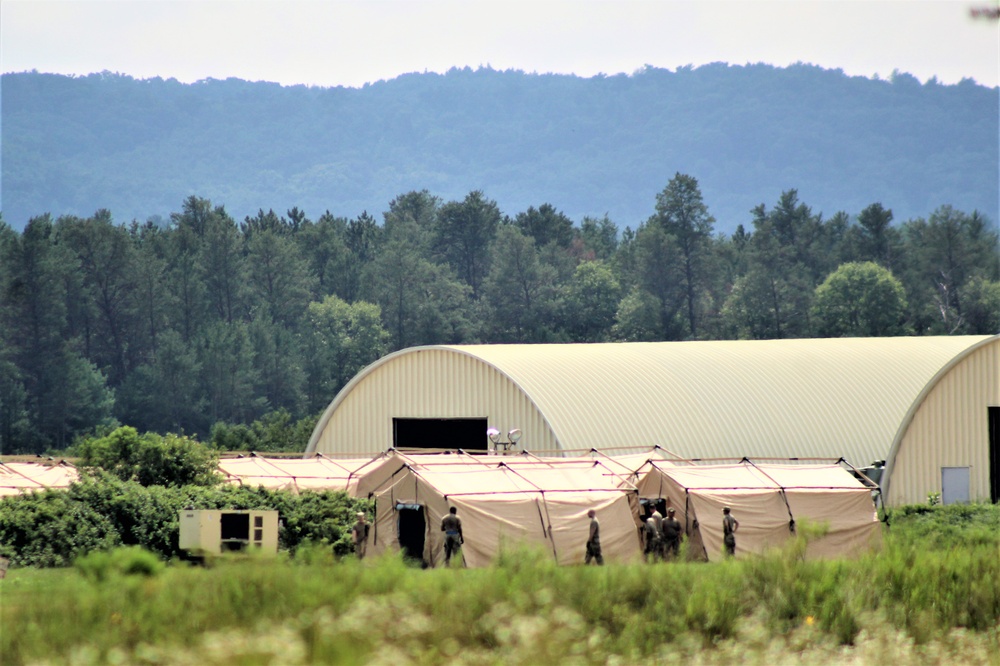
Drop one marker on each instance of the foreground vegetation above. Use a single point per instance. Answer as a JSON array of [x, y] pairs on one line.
[[930, 594]]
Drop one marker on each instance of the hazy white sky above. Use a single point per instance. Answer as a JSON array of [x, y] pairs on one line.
[[351, 42]]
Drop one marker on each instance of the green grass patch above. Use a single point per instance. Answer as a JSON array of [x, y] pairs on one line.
[[916, 599]]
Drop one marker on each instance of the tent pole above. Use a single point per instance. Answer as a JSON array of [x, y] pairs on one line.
[[548, 527]]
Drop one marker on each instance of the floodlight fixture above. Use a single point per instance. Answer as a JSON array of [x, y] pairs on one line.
[[514, 435], [493, 434]]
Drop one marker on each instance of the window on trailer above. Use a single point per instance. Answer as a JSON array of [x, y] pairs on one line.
[[468, 434]]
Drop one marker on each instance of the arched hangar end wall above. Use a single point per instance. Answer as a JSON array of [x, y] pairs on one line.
[[948, 427], [425, 382]]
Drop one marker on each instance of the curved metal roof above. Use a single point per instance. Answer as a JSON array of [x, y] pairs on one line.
[[756, 398]]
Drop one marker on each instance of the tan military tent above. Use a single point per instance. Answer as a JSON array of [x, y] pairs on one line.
[[770, 501], [381, 470], [295, 474], [359, 477], [21, 477], [504, 506], [362, 477], [543, 501], [379, 473]]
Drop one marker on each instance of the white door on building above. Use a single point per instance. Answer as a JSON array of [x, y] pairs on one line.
[[954, 485]]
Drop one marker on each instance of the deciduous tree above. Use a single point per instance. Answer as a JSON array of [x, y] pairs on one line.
[[860, 300], [592, 302], [342, 339]]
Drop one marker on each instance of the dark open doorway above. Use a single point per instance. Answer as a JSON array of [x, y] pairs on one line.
[[994, 454], [411, 526], [466, 434], [659, 503]]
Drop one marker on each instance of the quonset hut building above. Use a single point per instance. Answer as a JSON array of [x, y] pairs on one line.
[[929, 407]]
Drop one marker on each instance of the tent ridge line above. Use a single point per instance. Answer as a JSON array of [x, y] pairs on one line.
[[542, 492]]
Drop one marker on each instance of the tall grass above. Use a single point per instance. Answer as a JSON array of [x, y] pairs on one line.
[[937, 603]]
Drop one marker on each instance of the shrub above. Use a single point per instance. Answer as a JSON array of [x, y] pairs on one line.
[[150, 459], [128, 561], [51, 529], [945, 526], [141, 516]]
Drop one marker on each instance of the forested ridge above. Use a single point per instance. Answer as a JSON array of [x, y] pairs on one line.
[[205, 325], [589, 146]]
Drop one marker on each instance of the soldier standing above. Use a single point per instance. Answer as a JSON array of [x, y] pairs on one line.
[[594, 540], [451, 525], [657, 518], [359, 536], [729, 527], [654, 546], [671, 534]]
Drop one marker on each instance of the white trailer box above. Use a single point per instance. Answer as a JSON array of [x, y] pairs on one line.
[[216, 531]]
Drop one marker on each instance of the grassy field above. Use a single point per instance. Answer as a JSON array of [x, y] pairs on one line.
[[929, 595]]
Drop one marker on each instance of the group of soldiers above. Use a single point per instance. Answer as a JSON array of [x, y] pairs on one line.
[[451, 525], [662, 536]]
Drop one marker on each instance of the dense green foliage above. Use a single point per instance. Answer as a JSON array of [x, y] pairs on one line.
[[275, 431], [102, 511], [242, 333], [860, 300], [150, 459], [588, 145], [910, 601]]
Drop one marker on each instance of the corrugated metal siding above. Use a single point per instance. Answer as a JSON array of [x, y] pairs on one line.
[[950, 429], [780, 398]]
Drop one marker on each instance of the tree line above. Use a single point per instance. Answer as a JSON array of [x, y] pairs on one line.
[[587, 145], [204, 325]]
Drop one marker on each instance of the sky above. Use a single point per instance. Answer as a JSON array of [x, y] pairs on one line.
[[353, 42]]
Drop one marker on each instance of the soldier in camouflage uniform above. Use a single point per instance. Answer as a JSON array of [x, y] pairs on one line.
[[594, 540]]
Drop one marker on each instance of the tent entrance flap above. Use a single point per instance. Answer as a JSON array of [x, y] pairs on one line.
[[467, 433], [411, 527]]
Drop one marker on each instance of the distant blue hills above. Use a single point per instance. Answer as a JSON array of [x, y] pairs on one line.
[[588, 146]]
